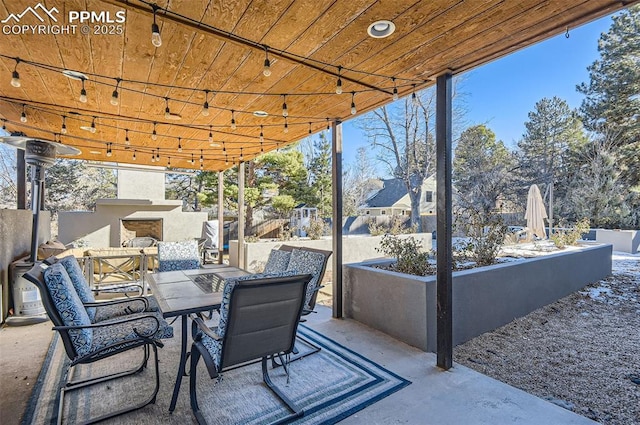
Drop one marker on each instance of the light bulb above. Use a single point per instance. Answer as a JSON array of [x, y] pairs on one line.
[[114, 98], [205, 109], [156, 40], [285, 110], [153, 158], [154, 135], [233, 121], [63, 129], [286, 127], [134, 155], [179, 146], [167, 113], [83, 96], [109, 152], [353, 108], [414, 98], [267, 68], [93, 127], [395, 93], [339, 86], [210, 138], [15, 79], [23, 117]]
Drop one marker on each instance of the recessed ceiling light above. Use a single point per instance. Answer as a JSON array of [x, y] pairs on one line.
[[173, 117], [381, 29], [96, 152], [86, 128], [260, 114], [74, 75]]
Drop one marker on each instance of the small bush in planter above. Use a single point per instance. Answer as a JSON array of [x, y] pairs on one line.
[[486, 232], [562, 238], [316, 228], [409, 255]]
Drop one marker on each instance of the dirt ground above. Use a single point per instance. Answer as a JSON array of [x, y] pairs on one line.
[[581, 352]]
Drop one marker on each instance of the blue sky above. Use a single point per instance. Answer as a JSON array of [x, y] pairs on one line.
[[502, 93]]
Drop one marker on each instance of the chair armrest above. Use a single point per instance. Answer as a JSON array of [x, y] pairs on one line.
[[113, 322], [119, 301], [198, 327]]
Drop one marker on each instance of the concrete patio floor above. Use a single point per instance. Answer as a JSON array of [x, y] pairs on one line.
[[458, 396]]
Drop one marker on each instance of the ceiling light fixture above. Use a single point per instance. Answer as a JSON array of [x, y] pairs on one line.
[[114, 96], [285, 111], [156, 40], [15, 76], [63, 128], [339, 82], [83, 93], [381, 29], [74, 75], [154, 134], [266, 71], [205, 105], [260, 114], [23, 116]]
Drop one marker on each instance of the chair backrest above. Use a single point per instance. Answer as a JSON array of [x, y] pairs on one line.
[[318, 273], [36, 275], [262, 318], [178, 255]]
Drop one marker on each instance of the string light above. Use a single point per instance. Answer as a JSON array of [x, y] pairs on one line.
[[156, 40], [309, 127], [83, 93], [241, 157], [261, 134], [153, 156], [414, 98], [202, 166], [353, 103], [92, 129], [261, 148], [179, 144], [226, 160], [23, 116], [224, 147], [210, 136], [395, 89], [114, 96], [4, 124], [15, 76], [167, 111], [192, 160], [169, 162], [328, 123], [158, 155], [233, 120], [126, 137], [286, 125], [154, 134], [266, 71], [285, 111], [63, 128], [201, 157], [339, 82], [205, 105], [109, 153], [134, 155]]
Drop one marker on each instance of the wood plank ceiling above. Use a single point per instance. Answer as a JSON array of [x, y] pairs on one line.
[[214, 51]]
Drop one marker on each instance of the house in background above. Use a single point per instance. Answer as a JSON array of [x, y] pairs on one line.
[[393, 199]]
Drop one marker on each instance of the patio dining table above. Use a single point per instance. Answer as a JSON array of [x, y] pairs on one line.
[[184, 292]]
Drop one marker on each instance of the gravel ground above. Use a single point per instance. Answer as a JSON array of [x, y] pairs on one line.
[[581, 352]]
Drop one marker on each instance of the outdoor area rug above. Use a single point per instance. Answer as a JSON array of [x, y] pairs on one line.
[[330, 385]]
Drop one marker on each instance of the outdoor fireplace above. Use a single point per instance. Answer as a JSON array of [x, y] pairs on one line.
[[140, 227]]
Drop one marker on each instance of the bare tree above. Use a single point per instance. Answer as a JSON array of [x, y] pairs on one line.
[[8, 188]]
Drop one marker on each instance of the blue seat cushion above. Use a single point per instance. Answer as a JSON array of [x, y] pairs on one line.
[[277, 262], [307, 262], [69, 307], [178, 256], [81, 285], [107, 335]]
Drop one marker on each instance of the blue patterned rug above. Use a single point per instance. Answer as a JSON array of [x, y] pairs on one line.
[[330, 385]]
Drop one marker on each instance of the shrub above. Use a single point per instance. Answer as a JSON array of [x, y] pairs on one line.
[[486, 232], [316, 228], [562, 238], [410, 258]]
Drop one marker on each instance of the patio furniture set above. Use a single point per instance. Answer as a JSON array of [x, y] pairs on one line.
[[258, 316]]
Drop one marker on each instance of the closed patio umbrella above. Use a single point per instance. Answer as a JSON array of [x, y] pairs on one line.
[[536, 212]]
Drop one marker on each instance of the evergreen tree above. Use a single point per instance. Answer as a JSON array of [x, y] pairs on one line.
[[612, 102], [481, 168], [320, 175], [553, 132]]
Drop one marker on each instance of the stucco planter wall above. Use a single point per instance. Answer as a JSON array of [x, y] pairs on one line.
[[354, 249], [484, 298], [622, 240]]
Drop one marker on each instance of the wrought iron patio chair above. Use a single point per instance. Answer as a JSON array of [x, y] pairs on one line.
[[86, 342], [258, 320], [102, 310], [301, 260]]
